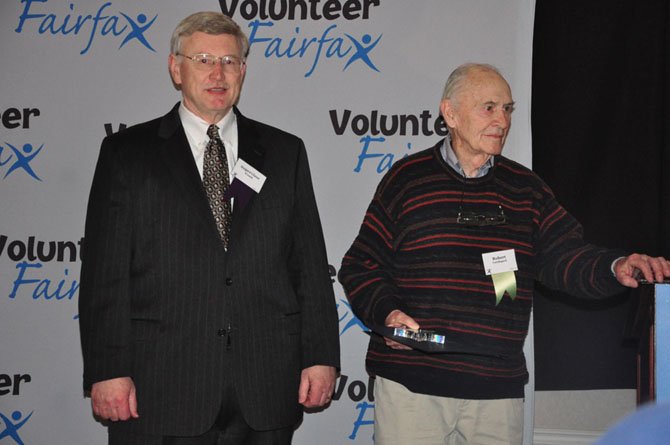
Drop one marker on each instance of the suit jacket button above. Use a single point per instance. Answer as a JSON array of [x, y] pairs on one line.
[[221, 332], [229, 281]]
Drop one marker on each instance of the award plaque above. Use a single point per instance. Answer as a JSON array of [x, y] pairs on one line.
[[430, 341]]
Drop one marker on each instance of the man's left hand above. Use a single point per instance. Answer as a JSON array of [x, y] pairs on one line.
[[316, 386], [651, 269]]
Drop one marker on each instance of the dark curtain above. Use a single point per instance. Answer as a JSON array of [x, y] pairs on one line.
[[601, 141]]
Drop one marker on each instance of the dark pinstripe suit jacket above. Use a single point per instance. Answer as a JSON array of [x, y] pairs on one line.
[[161, 301]]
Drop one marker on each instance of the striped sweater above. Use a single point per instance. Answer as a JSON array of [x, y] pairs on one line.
[[410, 254]]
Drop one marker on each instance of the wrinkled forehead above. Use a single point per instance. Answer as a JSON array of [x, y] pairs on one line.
[[204, 42], [486, 86]]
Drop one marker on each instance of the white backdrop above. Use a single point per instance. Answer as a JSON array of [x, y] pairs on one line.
[[74, 69]]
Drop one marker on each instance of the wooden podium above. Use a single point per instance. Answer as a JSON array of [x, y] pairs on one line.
[[651, 325]]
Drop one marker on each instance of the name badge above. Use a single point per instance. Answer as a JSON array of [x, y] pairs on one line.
[[499, 262], [500, 266], [248, 175]]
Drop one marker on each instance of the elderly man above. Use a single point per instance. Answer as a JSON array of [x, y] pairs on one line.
[[453, 241], [207, 314]]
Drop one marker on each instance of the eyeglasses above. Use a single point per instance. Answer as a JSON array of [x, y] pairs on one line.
[[480, 219], [207, 62]]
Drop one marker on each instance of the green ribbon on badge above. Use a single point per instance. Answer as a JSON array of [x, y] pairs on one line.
[[504, 281]]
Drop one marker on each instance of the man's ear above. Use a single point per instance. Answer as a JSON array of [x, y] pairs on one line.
[[175, 69], [448, 112], [243, 72]]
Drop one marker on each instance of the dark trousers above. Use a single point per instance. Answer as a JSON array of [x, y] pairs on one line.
[[230, 428], [238, 433]]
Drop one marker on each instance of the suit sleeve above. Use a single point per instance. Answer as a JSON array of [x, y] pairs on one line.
[[104, 297], [308, 267]]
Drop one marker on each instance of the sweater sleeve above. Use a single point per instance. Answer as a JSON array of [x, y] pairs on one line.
[[367, 268], [566, 261]]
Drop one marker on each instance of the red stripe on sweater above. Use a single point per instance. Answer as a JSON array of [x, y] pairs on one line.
[[457, 236], [456, 364], [551, 219], [426, 203], [407, 164], [353, 292], [381, 235], [569, 265], [439, 244], [373, 217], [445, 280], [490, 328], [426, 195]]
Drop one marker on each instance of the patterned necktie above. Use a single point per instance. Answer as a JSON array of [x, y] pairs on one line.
[[215, 179]]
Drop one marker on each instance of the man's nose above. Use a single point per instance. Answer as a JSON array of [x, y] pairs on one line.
[[217, 71], [503, 118]]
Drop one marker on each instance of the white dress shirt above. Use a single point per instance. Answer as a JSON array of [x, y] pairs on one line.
[[196, 133]]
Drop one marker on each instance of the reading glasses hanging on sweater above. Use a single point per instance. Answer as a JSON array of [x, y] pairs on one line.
[[482, 219], [468, 218]]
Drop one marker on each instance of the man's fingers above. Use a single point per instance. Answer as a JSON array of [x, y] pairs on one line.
[[395, 345], [132, 405], [637, 266], [303, 391], [316, 385], [660, 267], [399, 319], [114, 399]]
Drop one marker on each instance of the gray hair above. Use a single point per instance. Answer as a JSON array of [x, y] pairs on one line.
[[214, 23], [458, 76]]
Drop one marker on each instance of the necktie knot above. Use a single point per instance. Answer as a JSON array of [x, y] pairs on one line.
[[213, 132]]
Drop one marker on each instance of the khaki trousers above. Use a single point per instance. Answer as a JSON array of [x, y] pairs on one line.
[[403, 418]]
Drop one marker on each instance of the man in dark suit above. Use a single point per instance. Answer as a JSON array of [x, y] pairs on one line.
[[206, 311]]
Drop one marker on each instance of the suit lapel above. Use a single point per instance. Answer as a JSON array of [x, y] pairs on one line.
[[176, 154], [252, 152]]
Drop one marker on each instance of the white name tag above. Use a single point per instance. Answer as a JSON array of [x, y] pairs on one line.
[[248, 175], [499, 262]]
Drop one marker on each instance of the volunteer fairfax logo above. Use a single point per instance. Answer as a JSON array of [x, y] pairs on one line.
[[12, 424], [330, 43], [38, 17], [31, 280], [17, 158], [18, 118], [374, 128]]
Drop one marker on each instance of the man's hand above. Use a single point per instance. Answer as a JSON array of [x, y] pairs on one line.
[[114, 399], [316, 386], [399, 319], [652, 269]]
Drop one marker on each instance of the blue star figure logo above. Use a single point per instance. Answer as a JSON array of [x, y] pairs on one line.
[[23, 158], [137, 31], [363, 49], [353, 321], [12, 426]]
